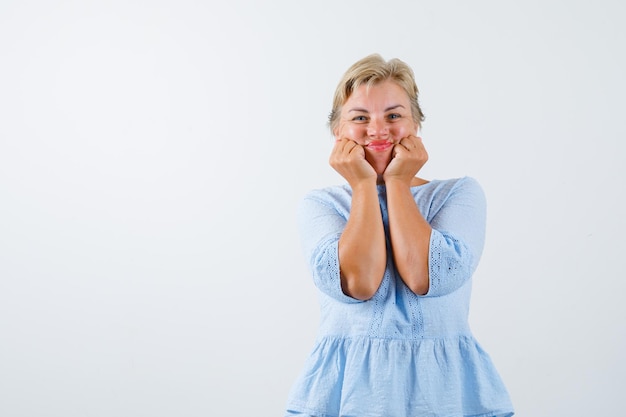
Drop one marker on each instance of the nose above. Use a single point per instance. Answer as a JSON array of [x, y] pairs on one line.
[[377, 129]]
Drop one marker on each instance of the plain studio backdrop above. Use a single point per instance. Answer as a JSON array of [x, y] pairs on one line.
[[153, 154]]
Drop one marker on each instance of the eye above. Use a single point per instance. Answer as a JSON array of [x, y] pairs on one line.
[[359, 119], [394, 116]]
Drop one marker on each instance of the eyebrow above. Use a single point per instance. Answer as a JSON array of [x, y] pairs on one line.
[[359, 109]]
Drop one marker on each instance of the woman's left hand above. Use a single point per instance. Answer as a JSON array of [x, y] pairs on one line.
[[409, 156]]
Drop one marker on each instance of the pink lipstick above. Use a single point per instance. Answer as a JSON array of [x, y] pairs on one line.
[[379, 145]]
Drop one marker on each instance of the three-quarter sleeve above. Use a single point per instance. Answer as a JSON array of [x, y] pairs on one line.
[[321, 221], [457, 238]]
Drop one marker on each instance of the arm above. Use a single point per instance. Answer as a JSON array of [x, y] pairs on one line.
[[410, 237], [410, 233], [362, 249]]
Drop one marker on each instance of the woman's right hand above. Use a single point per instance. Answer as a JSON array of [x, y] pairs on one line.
[[348, 159]]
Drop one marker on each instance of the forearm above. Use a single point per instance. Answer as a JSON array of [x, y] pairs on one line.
[[362, 248], [410, 237]]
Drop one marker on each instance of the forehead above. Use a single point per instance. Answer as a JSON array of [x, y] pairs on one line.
[[382, 93]]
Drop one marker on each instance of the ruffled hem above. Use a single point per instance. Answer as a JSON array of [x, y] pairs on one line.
[[369, 377], [291, 413], [491, 414]]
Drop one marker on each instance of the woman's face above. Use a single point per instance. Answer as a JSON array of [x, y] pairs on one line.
[[377, 118]]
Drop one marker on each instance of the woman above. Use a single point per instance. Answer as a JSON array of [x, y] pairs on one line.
[[392, 255]]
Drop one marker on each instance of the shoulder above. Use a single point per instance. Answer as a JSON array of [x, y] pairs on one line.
[[464, 192], [331, 194], [336, 198], [448, 187]]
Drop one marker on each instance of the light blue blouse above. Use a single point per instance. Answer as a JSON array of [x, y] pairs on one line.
[[399, 354]]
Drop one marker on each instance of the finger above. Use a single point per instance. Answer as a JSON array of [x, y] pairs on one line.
[[403, 146], [354, 147], [412, 142], [348, 146], [398, 149], [340, 144]]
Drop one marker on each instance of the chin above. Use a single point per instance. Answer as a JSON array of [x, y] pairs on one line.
[[379, 162]]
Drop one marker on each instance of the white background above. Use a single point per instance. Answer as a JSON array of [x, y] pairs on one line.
[[153, 153]]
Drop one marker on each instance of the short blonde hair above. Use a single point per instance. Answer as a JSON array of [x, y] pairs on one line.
[[372, 70]]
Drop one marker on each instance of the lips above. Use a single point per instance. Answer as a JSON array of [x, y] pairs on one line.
[[379, 145]]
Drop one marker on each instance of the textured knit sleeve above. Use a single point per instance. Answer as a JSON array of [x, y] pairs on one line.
[[321, 221], [457, 238]]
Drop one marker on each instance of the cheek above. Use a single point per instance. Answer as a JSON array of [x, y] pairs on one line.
[[357, 133], [405, 130]]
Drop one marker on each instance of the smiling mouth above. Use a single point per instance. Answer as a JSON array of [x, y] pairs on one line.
[[379, 145]]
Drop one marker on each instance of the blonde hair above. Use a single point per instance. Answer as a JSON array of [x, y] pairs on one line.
[[372, 70]]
